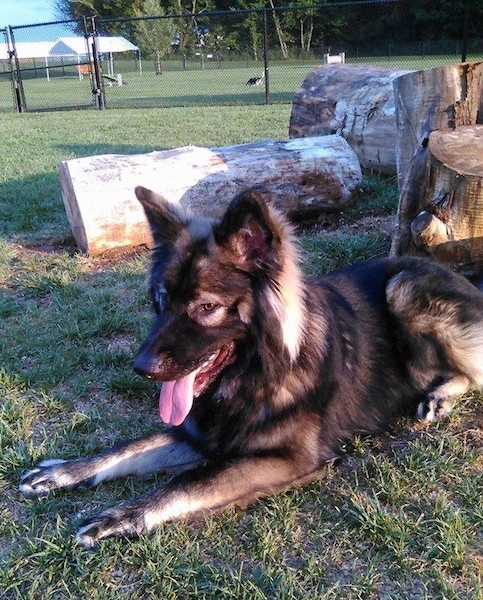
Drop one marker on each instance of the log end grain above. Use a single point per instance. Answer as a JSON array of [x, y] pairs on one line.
[[460, 149]]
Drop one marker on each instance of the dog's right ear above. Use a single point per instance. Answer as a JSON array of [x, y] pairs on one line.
[[162, 216], [249, 231]]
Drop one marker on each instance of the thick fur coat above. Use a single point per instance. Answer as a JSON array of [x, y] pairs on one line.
[[264, 373]]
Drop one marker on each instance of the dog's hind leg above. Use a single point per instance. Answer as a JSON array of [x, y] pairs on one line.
[[441, 319], [160, 452], [463, 351], [440, 401]]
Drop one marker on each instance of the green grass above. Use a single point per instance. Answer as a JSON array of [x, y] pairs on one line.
[[399, 518], [225, 86], [194, 86]]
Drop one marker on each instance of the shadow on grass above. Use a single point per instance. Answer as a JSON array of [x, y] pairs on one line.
[[194, 100]]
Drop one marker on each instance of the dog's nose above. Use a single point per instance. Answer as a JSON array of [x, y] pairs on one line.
[[143, 373], [144, 367]]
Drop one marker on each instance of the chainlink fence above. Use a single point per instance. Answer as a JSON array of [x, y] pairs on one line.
[[225, 57]]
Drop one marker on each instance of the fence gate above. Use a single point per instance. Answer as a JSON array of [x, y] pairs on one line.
[[57, 76], [11, 73]]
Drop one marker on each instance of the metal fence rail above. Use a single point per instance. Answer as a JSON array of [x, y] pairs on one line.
[[224, 57]]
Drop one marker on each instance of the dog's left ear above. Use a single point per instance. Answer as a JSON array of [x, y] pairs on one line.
[[248, 231]]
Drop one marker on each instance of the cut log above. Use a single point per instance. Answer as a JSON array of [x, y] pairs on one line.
[[449, 226], [354, 101], [303, 177], [440, 98]]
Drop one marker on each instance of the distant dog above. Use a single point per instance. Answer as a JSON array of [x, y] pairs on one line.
[[265, 373], [254, 81]]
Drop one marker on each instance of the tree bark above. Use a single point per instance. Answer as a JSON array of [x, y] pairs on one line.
[[354, 101], [302, 177], [440, 98], [278, 27], [449, 224]]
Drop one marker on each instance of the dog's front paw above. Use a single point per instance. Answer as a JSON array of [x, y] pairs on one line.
[[42, 479], [52, 475], [124, 520]]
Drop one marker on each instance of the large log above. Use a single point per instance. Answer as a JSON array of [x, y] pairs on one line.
[[303, 177], [450, 225], [441, 98], [354, 101]]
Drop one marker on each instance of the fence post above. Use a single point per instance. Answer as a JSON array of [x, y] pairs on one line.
[[265, 56], [466, 29], [99, 89], [15, 73]]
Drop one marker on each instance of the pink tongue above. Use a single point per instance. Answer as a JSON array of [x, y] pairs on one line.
[[176, 399]]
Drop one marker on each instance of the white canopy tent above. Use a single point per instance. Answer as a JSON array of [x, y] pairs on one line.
[[77, 47], [29, 51], [70, 47]]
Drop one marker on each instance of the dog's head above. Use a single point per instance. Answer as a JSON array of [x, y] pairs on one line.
[[208, 283]]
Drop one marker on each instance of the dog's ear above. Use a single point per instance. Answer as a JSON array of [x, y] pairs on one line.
[[162, 216], [248, 231]]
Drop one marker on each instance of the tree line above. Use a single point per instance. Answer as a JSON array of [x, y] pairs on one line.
[[295, 26]]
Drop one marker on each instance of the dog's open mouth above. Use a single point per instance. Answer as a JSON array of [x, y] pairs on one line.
[[176, 397]]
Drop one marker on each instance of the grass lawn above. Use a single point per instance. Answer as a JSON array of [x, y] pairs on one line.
[[175, 87], [400, 518], [191, 87]]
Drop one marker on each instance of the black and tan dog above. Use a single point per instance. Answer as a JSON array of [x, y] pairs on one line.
[[265, 372]]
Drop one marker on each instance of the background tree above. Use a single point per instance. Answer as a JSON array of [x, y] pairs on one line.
[[278, 27], [153, 36], [250, 26], [189, 33], [360, 27], [252, 23], [107, 9]]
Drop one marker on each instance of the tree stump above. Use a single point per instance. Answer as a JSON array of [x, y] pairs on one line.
[[354, 101], [450, 225], [434, 99], [302, 177]]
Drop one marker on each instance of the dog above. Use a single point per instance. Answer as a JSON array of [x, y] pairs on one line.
[[254, 81], [265, 373]]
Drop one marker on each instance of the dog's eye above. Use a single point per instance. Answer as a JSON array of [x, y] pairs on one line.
[[206, 313], [160, 298], [209, 307]]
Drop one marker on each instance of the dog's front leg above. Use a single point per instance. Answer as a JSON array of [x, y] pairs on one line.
[[137, 457], [209, 488]]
